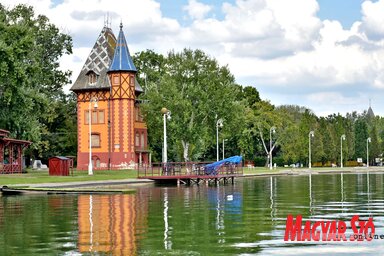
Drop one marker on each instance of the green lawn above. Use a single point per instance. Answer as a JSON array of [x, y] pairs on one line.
[[259, 170], [33, 176], [264, 170]]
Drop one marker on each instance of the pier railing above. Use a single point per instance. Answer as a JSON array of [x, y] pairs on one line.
[[189, 169]]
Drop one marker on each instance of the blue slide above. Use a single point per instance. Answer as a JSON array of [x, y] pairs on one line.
[[211, 169]]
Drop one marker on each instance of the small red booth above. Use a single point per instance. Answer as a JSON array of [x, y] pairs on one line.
[[59, 165]]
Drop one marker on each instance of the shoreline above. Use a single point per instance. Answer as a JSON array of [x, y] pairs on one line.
[[315, 171], [93, 185]]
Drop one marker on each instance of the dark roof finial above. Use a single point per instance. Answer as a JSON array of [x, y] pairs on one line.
[[121, 25]]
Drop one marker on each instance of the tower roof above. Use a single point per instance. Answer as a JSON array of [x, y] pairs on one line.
[[370, 112], [122, 60], [98, 62]]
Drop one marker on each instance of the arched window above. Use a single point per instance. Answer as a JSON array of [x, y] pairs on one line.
[[136, 114], [142, 140], [92, 77], [137, 140], [96, 162]]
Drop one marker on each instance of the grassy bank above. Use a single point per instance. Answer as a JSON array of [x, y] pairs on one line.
[[33, 177]]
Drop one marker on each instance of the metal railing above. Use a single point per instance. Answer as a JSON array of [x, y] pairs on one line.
[[187, 169]]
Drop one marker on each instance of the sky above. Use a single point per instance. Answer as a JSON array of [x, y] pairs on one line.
[[326, 55]]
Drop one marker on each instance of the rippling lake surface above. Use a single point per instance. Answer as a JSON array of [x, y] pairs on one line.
[[246, 218]]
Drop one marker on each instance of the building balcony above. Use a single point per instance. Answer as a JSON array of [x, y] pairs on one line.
[[139, 149]]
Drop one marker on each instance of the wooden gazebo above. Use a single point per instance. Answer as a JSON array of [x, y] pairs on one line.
[[11, 153]]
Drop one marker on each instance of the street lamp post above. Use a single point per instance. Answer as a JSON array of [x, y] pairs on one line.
[[94, 101], [144, 75], [219, 123], [368, 141], [166, 115], [272, 129], [310, 135], [341, 150], [223, 148]]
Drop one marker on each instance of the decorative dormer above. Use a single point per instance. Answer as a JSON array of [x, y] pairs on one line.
[[92, 77]]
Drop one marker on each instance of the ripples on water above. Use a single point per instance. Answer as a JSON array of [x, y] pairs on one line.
[[244, 219]]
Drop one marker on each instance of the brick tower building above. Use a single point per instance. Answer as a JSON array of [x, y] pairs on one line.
[[107, 88]]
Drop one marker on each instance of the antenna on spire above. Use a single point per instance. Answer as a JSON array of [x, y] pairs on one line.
[[107, 22]]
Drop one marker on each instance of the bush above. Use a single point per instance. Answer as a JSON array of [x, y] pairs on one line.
[[259, 161]]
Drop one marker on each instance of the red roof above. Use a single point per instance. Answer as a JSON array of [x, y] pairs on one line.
[[4, 133], [26, 142]]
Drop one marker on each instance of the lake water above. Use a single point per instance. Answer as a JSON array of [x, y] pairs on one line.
[[246, 218]]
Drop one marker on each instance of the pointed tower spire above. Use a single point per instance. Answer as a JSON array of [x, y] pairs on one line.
[[122, 60], [370, 111]]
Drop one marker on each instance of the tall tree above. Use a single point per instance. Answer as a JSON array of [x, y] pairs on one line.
[[198, 92], [361, 135], [30, 78]]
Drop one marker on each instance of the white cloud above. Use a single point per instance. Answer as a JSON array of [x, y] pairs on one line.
[[330, 102], [197, 10], [279, 46], [373, 19]]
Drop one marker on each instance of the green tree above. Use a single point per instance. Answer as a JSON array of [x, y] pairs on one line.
[[249, 94], [361, 135], [30, 79], [198, 92], [266, 120]]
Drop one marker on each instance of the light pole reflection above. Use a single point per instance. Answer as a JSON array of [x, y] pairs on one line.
[[368, 194], [167, 242], [310, 194], [90, 223], [272, 199], [219, 217]]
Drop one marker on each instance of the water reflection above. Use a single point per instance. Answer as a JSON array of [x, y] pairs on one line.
[[107, 223], [91, 223], [242, 219], [38, 225], [167, 239], [310, 194]]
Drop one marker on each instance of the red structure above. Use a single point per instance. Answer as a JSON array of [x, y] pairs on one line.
[[59, 166], [11, 153]]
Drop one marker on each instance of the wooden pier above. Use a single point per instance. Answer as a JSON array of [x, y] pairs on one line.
[[190, 173]]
